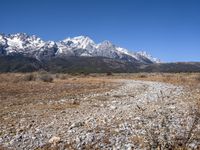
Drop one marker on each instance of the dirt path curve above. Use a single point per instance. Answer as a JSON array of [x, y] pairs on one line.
[[136, 115]]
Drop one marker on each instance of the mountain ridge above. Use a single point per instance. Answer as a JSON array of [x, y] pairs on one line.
[[26, 53], [35, 47]]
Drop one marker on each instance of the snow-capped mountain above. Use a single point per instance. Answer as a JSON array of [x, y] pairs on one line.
[[148, 56], [33, 46]]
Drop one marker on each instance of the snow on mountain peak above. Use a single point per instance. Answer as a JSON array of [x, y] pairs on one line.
[[21, 42], [145, 54], [18, 35], [123, 50], [76, 46], [81, 42], [107, 43], [82, 38], [2, 40]]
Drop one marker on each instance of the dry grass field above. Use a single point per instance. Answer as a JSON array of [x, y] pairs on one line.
[[18, 89], [32, 100], [189, 80]]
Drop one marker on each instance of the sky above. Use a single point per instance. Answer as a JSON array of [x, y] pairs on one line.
[[167, 29]]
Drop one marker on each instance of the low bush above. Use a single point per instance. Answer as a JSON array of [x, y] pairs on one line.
[[109, 74], [85, 73], [29, 77], [197, 78], [46, 78], [142, 76]]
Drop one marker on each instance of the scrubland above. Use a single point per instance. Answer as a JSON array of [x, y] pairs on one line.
[[40, 110]]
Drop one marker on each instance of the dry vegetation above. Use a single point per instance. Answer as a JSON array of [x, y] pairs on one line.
[[192, 83], [21, 93], [22, 89], [189, 80]]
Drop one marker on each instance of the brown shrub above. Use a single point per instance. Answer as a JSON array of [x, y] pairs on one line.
[[86, 73], [197, 78], [142, 76], [63, 77], [57, 75], [29, 77], [46, 78], [109, 73]]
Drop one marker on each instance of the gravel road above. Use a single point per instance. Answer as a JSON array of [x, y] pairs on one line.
[[136, 115]]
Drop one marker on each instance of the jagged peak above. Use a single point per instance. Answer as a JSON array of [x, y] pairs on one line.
[[106, 42], [79, 41], [20, 35], [82, 37], [147, 55], [23, 42], [79, 38], [2, 34]]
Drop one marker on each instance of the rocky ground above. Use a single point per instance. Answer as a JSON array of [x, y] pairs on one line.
[[134, 115]]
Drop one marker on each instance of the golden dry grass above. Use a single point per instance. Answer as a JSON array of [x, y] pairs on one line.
[[14, 88], [189, 80], [17, 93], [22, 96]]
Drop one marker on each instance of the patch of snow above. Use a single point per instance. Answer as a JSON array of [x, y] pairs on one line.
[[145, 54]]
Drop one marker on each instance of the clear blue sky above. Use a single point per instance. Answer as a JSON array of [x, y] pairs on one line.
[[167, 29]]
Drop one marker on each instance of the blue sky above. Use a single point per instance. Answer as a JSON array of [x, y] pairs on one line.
[[167, 29]]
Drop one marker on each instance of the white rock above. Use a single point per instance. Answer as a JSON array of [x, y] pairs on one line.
[[113, 107], [77, 124], [54, 140], [114, 101]]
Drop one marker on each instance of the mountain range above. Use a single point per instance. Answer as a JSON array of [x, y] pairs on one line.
[[81, 46], [25, 53]]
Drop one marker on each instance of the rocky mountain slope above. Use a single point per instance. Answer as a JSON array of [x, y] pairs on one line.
[[35, 47], [20, 63]]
